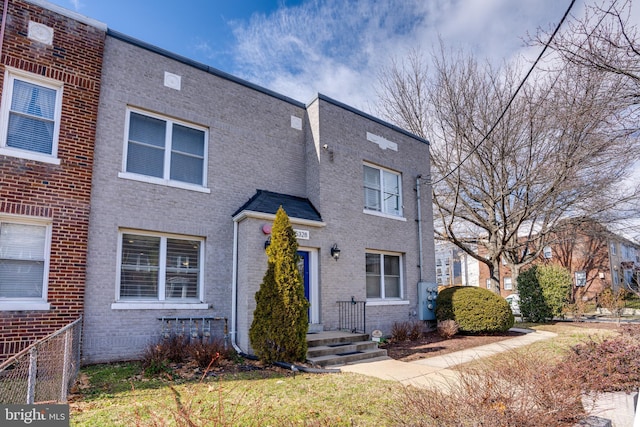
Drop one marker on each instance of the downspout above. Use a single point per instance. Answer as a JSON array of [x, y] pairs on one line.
[[234, 290], [419, 226], [2, 27]]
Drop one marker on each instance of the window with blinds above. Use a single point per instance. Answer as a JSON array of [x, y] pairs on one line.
[[382, 191], [162, 148], [23, 260], [157, 267], [31, 111]]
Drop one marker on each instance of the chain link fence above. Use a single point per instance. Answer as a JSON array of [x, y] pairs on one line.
[[44, 371]]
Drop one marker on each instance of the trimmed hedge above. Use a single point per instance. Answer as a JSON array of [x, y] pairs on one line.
[[476, 310]]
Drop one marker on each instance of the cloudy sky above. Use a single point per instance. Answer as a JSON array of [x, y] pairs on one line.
[[335, 47]]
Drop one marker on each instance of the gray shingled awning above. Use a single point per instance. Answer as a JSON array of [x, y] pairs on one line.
[[269, 202]]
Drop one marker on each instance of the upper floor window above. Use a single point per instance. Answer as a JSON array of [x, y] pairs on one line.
[[382, 191], [547, 252], [160, 267], [508, 284], [384, 276], [24, 264], [31, 107], [614, 248], [165, 150]]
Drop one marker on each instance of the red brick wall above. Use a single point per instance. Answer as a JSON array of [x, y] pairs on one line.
[[59, 192]]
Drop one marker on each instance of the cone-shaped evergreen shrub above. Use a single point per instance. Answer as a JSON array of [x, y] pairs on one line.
[[280, 321]]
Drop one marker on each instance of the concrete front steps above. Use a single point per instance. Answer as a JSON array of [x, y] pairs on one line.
[[335, 348]]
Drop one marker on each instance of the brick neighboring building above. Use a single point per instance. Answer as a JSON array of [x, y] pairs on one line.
[[50, 73], [596, 257]]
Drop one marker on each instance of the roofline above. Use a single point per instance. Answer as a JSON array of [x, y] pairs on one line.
[[270, 217], [206, 68], [368, 116], [69, 14]]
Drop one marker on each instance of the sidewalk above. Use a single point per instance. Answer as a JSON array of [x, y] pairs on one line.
[[433, 371]]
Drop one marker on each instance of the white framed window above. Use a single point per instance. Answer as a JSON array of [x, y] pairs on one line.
[[384, 275], [547, 252], [164, 151], [614, 248], [155, 267], [382, 191], [508, 284], [30, 111], [25, 245], [488, 283]]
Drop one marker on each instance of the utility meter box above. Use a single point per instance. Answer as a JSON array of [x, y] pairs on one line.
[[427, 294]]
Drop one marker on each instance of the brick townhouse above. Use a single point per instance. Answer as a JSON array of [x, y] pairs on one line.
[[50, 68], [191, 165], [138, 188]]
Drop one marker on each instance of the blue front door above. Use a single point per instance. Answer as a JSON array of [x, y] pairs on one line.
[[303, 266]]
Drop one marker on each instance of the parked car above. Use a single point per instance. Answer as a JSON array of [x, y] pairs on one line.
[[514, 303]]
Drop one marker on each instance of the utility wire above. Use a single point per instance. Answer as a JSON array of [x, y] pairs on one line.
[[513, 97]]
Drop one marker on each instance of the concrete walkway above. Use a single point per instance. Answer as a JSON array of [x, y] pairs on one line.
[[433, 371]]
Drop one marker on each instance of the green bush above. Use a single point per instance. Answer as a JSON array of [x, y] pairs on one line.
[[475, 310], [544, 292], [280, 321]]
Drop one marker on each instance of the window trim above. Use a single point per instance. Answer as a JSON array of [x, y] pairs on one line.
[[31, 304], [12, 74], [386, 300], [381, 213], [165, 180], [138, 304]]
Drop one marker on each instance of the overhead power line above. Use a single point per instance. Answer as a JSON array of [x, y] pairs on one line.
[[513, 97]]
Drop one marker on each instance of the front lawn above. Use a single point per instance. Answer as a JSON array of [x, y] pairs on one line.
[[251, 395]]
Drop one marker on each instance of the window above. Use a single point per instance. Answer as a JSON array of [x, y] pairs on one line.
[[547, 252], [156, 267], [384, 277], [164, 150], [382, 191], [24, 264], [508, 284], [31, 108], [613, 248], [488, 283], [581, 278]]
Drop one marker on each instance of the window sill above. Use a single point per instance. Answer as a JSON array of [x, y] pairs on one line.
[[29, 155], [139, 305], [24, 306], [165, 182], [384, 215], [371, 302]]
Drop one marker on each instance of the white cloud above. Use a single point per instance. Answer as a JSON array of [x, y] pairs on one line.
[[337, 47]]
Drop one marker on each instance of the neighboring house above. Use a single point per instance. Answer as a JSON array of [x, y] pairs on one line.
[[50, 67], [191, 165], [454, 266], [596, 257]]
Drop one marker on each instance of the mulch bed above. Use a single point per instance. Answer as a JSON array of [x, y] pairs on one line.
[[431, 344]]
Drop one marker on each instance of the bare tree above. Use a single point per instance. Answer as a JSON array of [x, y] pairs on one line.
[[602, 39], [506, 170]]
